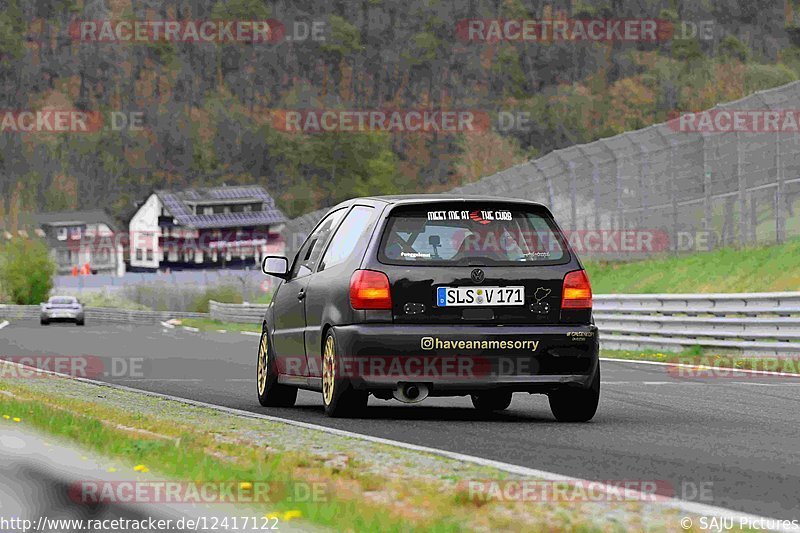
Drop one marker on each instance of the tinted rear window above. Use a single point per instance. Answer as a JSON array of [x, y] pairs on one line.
[[471, 234], [62, 300]]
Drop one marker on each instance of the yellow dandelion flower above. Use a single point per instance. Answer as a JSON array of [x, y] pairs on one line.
[[7, 417], [290, 515], [140, 468], [16, 419], [245, 485]]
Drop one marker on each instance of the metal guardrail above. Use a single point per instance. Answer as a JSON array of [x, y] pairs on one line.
[[100, 314], [753, 323], [246, 313]]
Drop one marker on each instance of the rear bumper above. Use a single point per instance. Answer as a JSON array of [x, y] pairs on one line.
[[62, 316], [455, 359]]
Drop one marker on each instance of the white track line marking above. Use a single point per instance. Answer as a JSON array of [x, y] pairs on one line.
[[703, 367], [134, 380], [687, 382], [3, 324], [686, 506], [196, 330]]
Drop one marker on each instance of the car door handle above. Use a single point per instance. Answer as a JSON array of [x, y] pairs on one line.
[[301, 294]]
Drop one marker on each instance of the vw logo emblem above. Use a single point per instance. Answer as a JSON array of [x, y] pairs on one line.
[[477, 275]]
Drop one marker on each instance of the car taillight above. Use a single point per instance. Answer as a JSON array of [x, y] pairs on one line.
[[369, 289], [577, 293]]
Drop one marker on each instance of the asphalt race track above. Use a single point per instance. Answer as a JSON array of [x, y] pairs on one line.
[[736, 436]]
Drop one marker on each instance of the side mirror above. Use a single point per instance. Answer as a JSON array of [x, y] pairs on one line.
[[275, 265]]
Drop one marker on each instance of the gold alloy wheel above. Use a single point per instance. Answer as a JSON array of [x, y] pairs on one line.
[[262, 364], [328, 370]]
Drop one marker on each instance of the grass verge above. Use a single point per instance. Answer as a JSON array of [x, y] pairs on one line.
[[717, 362], [207, 324], [369, 486], [761, 269]]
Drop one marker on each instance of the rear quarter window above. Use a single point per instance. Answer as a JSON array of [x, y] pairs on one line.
[[344, 242], [471, 234]]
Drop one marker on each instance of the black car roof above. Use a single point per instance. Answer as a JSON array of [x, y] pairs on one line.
[[425, 198]]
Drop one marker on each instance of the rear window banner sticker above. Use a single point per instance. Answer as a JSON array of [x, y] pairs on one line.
[[415, 255], [479, 216]]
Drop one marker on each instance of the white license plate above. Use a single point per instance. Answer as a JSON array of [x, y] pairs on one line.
[[479, 296]]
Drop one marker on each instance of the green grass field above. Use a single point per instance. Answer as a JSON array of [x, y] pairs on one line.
[[761, 269], [207, 324]]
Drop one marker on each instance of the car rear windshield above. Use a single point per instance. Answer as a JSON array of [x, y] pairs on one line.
[[62, 300], [471, 234]]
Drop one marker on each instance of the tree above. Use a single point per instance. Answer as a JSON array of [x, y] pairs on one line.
[[26, 271]]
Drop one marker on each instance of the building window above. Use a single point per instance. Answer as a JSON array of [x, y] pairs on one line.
[[149, 255], [138, 254], [75, 234], [247, 208], [63, 256], [208, 210], [62, 234], [226, 209]]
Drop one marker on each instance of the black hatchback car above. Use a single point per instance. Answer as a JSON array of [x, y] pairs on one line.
[[416, 296]]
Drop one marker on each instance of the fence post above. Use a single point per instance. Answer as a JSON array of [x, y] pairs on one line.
[[618, 185], [742, 181], [673, 192], [596, 190], [572, 193], [642, 190], [779, 220], [707, 214], [548, 183]]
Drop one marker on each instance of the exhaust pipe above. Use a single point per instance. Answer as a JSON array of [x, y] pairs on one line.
[[411, 392]]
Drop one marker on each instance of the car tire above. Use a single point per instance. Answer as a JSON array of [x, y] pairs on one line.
[[79, 322], [338, 396], [491, 400], [270, 392], [43, 322], [576, 405]]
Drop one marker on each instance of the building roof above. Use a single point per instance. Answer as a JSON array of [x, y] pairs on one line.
[[74, 218], [179, 204]]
